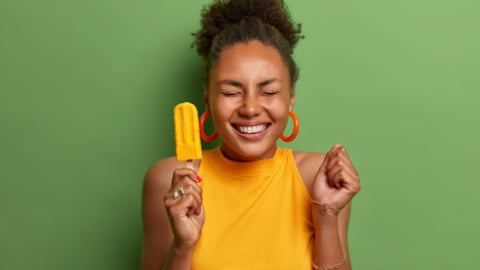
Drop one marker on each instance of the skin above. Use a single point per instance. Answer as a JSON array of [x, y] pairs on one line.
[[248, 87]]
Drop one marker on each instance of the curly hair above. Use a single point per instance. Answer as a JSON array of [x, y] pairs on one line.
[[228, 22]]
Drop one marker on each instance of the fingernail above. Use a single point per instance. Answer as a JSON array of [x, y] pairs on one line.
[[198, 178]]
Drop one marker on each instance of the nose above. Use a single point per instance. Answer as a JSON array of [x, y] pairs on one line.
[[250, 106]]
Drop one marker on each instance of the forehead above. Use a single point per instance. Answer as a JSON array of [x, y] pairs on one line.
[[252, 59]]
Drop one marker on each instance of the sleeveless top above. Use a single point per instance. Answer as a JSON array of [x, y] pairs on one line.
[[257, 214]]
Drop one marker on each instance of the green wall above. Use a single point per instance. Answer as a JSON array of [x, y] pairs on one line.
[[86, 96]]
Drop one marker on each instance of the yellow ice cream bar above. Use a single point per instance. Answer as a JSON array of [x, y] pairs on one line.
[[187, 132]]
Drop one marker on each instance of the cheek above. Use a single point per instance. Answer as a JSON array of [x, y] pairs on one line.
[[280, 107], [221, 112], [279, 111]]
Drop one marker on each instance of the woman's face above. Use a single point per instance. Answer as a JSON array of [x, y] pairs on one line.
[[249, 96]]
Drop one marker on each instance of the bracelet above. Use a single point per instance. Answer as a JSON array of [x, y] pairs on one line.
[[333, 267], [326, 208]]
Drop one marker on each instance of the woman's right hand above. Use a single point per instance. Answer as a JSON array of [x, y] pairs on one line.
[[185, 211]]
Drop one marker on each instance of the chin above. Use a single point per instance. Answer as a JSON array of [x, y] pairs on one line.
[[252, 152]]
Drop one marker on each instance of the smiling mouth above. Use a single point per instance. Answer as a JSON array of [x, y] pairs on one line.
[[251, 129]]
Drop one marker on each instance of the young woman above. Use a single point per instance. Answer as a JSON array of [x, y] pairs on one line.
[[249, 204]]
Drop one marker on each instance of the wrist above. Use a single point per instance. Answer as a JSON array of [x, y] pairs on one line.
[[324, 218], [181, 258], [182, 251], [325, 222], [324, 209]]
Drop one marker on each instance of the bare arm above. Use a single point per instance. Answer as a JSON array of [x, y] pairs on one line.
[[163, 215], [157, 234], [343, 220], [331, 189], [331, 247]]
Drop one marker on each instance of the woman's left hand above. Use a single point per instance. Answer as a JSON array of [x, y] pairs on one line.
[[337, 180]]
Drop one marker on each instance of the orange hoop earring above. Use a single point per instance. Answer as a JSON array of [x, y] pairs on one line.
[[204, 136], [296, 127]]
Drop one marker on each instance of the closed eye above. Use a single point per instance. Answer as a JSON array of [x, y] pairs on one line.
[[270, 93], [230, 94]]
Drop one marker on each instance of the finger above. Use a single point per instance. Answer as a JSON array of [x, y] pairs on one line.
[[197, 201], [346, 157], [345, 179], [187, 189], [183, 186], [185, 181], [179, 210], [326, 159], [334, 150], [338, 149], [183, 206], [324, 165], [194, 204], [182, 173], [340, 162], [336, 179], [342, 154]]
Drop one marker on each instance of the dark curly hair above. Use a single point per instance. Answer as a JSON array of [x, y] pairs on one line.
[[228, 22]]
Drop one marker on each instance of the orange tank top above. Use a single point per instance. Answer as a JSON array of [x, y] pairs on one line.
[[257, 215]]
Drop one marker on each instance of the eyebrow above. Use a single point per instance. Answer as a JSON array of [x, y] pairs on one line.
[[231, 82], [238, 84], [267, 82]]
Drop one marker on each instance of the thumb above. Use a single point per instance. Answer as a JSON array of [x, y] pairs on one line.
[[323, 167], [322, 171], [326, 159]]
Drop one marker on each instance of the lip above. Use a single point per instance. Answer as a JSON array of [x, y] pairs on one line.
[[251, 136]]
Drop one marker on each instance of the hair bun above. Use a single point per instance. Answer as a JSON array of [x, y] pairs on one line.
[[221, 14]]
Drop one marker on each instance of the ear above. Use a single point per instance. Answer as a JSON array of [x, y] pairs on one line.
[[292, 100], [205, 98]]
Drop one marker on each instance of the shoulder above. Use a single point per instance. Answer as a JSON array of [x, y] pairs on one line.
[[160, 173], [162, 167], [308, 164], [308, 161]]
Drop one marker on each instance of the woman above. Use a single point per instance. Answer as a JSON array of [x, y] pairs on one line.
[[252, 205]]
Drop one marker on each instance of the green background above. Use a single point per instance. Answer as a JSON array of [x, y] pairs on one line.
[[87, 90]]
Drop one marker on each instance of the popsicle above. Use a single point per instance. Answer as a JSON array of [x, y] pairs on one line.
[[187, 133]]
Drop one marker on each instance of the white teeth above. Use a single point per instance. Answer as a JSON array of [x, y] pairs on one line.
[[252, 129]]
